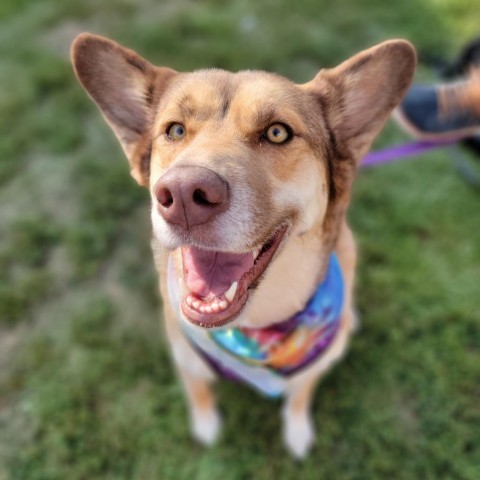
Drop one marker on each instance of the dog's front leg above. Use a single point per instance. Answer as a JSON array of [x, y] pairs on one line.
[[298, 426], [196, 378], [195, 375], [298, 431], [204, 417]]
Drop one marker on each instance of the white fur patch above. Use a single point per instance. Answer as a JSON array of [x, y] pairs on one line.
[[206, 426], [298, 433]]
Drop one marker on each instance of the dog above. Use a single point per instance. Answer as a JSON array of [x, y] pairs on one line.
[[250, 177]]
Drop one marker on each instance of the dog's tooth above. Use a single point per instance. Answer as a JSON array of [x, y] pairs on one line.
[[208, 309], [255, 253], [189, 300], [196, 304], [223, 304], [202, 308], [215, 307], [230, 293]]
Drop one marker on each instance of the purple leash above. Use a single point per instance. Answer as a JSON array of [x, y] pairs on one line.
[[388, 155]]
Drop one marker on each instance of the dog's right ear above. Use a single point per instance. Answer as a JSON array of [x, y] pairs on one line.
[[359, 94], [126, 88]]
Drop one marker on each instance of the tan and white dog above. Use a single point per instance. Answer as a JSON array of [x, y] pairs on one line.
[[250, 178]]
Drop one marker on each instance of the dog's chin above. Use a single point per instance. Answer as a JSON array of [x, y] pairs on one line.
[[217, 284]]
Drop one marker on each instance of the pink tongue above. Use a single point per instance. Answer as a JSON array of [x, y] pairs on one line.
[[212, 273]]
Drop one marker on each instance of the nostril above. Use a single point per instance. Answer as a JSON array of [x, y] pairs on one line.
[[200, 198], [164, 197]]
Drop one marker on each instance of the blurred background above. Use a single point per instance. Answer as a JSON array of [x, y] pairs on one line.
[[87, 389]]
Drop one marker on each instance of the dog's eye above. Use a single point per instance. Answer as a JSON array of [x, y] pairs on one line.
[[277, 133], [176, 131]]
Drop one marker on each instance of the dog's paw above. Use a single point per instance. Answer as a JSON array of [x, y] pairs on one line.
[[206, 426], [298, 435]]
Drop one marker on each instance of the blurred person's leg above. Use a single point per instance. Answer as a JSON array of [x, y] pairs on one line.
[[442, 111]]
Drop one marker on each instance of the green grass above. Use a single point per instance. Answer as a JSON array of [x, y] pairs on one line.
[[87, 389]]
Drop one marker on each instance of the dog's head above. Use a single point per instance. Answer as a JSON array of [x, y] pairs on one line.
[[241, 166]]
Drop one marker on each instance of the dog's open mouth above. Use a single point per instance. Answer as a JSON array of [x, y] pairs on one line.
[[218, 283]]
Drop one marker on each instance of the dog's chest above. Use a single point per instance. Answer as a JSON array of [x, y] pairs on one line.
[[265, 357]]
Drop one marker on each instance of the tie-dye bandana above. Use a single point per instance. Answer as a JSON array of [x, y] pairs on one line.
[[264, 357]]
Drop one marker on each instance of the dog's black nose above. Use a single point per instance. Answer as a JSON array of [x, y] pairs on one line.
[[190, 195]]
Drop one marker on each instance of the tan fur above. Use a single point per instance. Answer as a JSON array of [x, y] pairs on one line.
[[304, 183]]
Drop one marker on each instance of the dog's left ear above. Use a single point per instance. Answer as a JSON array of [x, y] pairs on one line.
[[358, 96], [127, 89]]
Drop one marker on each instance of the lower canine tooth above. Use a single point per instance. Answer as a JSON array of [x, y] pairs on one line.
[[195, 304], [230, 293]]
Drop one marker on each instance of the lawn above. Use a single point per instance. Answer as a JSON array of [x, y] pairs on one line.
[[87, 389]]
